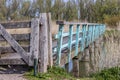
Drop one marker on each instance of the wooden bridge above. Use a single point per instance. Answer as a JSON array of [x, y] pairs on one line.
[[34, 45]]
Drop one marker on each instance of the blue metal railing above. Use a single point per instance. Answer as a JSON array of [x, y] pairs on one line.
[[85, 34]]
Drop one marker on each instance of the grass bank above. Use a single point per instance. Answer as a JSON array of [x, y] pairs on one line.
[[57, 73], [54, 73], [108, 74]]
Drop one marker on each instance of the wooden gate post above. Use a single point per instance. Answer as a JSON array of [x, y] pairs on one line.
[[43, 46], [34, 41], [50, 58]]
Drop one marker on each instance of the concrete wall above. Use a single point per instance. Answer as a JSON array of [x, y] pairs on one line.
[[103, 53], [112, 52]]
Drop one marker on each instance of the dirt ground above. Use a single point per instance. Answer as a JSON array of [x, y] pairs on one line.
[[12, 77], [12, 72]]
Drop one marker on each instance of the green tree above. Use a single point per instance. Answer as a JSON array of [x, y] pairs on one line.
[[71, 12], [3, 10], [58, 9]]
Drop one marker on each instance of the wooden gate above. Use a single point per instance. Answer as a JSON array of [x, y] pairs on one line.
[[13, 36], [22, 42]]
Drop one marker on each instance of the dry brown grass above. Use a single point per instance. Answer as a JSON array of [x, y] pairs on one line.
[[55, 28]]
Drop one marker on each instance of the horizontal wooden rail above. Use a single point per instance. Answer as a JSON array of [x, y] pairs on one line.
[[18, 37], [14, 25], [75, 23]]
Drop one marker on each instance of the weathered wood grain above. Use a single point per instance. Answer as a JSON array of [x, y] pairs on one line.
[[13, 25], [43, 55], [11, 50], [50, 58], [8, 61], [21, 43], [75, 23], [19, 31], [11, 59], [13, 43], [34, 42], [18, 37]]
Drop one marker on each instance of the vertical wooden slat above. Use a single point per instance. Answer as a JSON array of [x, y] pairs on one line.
[[77, 40], [34, 41], [43, 46], [50, 58], [59, 43]]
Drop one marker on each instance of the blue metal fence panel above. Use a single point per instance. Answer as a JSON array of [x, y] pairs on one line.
[[83, 37], [93, 28], [70, 42], [77, 40], [59, 43]]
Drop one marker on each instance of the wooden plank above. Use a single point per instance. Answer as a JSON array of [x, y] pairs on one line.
[[13, 43], [21, 43], [11, 59], [34, 41], [43, 55], [50, 60], [19, 31], [13, 25], [12, 62], [74, 23], [60, 22], [18, 37], [11, 50]]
